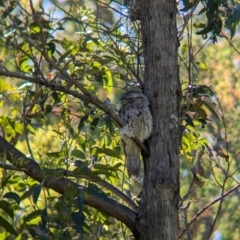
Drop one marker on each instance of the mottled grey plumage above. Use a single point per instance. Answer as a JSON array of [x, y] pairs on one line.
[[136, 114]]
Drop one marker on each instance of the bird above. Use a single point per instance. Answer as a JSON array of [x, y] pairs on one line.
[[136, 114]]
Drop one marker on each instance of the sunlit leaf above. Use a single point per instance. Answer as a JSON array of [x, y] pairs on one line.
[[202, 66], [7, 226], [108, 152], [4, 86], [78, 154], [33, 215], [199, 25], [19, 128], [108, 80], [184, 49], [31, 129]]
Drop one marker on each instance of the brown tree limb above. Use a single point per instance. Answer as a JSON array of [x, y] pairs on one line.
[[61, 185], [63, 172], [103, 183]]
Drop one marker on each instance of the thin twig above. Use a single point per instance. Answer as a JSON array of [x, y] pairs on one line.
[[207, 207]]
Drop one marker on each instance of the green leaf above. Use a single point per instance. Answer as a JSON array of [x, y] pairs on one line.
[[48, 109], [31, 129], [211, 109], [19, 128], [196, 180], [206, 30], [29, 192], [32, 215], [108, 152], [51, 48], [82, 166], [82, 121], [118, 165], [44, 221], [94, 123], [95, 190], [186, 148], [78, 218], [108, 80], [184, 48], [56, 154], [236, 14], [188, 5], [4, 86], [103, 169], [78, 154], [200, 111], [35, 28], [202, 66], [14, 196], [7, 207], [202, 121], [199, 25], [217, 26], [109, 124], [189, 120], [80, 201], [5, 180], [200, 90], [56, 97], [36, 191], [114, 235], [7, 226]]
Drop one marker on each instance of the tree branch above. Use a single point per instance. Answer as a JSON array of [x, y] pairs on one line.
[[61, 185], [63, 172], [206, 207], [101, 182], [59, 88]]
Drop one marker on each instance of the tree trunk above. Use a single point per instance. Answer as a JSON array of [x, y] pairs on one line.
[[158, 214]]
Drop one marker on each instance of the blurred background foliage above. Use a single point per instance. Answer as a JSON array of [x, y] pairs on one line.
[[98, 45]]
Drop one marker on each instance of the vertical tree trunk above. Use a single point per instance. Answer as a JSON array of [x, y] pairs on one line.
[[158, 214]]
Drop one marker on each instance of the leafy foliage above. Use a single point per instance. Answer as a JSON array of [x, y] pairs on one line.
[[218, 14], [55, 57]]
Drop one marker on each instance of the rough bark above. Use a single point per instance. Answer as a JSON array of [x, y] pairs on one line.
[[158, 213]]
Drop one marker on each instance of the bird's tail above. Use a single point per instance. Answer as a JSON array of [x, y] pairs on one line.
[[132, 152]]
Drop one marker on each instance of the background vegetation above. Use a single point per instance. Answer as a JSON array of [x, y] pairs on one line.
[[55, 58]]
